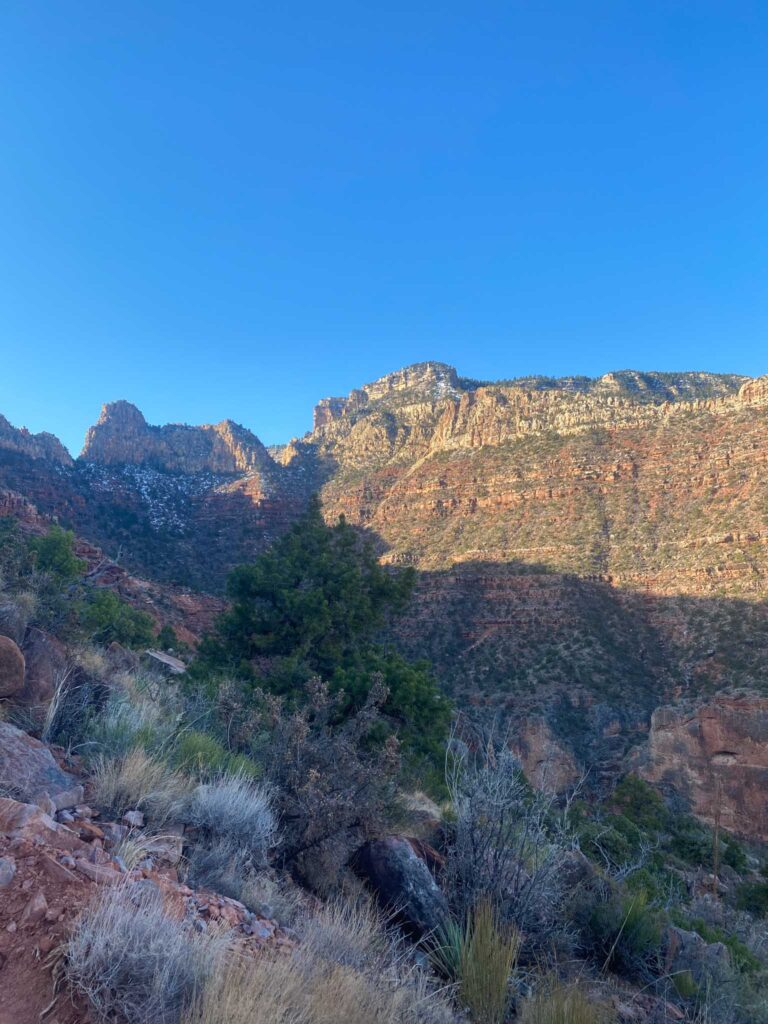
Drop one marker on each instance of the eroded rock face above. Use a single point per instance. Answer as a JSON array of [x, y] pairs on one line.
[[36, 446], [11, 668], [123, 436], [547, 764], [716, 756]]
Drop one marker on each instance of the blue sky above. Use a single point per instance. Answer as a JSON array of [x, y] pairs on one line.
[[232, 209]]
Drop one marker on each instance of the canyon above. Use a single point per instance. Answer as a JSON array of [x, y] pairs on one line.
[[588, 551]]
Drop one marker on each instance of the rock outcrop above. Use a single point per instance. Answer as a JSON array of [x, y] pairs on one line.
[[11, 668], [35, 446], [715, 755], [123, 437], [403, 883], [27, 768]]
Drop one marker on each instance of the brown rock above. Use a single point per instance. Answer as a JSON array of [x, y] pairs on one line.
[[716, 756], [45, 666], [35, 910], [56, 871], [11, 668], [547, 764]]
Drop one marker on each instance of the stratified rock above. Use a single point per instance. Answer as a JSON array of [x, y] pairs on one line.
[[11, 668], [28, 769], [122, 436], [402, 882], [36, 446], [715, 755]]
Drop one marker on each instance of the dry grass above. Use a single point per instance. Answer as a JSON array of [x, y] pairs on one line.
[[136, 965], [557, 1003], [236, 810], [299, 990], [138, 781]]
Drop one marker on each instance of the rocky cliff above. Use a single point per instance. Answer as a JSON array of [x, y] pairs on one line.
[[587, 549]]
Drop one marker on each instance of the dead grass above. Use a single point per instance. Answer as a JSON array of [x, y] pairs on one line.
[[138, 781], [558, 1003], [133, 963], [488, 956]]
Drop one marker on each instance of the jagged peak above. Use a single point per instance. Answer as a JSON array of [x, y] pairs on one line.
[[37, 446], [122, 436]]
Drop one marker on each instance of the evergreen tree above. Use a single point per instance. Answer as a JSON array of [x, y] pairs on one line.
[[316, 604]]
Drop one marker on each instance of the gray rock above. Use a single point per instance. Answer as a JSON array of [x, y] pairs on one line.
[[7, 871], [402, 882], [28, 770]]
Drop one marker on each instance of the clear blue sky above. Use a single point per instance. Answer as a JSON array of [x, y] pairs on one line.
[[233, 208]]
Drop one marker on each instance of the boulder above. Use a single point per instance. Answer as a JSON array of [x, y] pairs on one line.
[[11, 668], [687, 951], [28, 770], [13, 621], [46, 663], [7, 871], [402, 882]]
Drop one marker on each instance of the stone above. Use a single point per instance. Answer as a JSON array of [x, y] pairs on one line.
[[402, 882], [133, 819], [688, 951], [35, 910], [27, 824], [46, 664], [97, 872], [29, 769], [7, 871], [11, 668], [69, 798], [56, 871]]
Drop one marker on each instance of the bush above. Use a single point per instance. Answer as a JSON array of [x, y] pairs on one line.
[[133, 963], [202, 754], [333, 789], [54, 555], [107, 619], [753, 897], [626, 932], [556, 1003], [505, 845], [314, 605], [236, 811], [138, 781]]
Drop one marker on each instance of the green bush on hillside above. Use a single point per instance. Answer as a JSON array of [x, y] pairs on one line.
[[315, 605], [107, 619]]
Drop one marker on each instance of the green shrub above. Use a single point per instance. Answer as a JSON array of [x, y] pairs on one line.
[[626, 931], [640, 803], [203, 755], [54, 554], [556, 1003], [753, 896], [107, 619]]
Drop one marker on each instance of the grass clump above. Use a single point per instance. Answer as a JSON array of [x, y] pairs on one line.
[[138, 781], [136, 965], [557, 1003], [488, 956]]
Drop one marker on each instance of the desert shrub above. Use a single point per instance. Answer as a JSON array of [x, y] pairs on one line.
[[107, 619], [202, 754], [133, 963], [557, 1003], [123, 724], [753, 897], [138, 781], [626, 933], [333, 790], [54, 555], [505, 845], [234, 809], [271, 895], [639, 802]]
